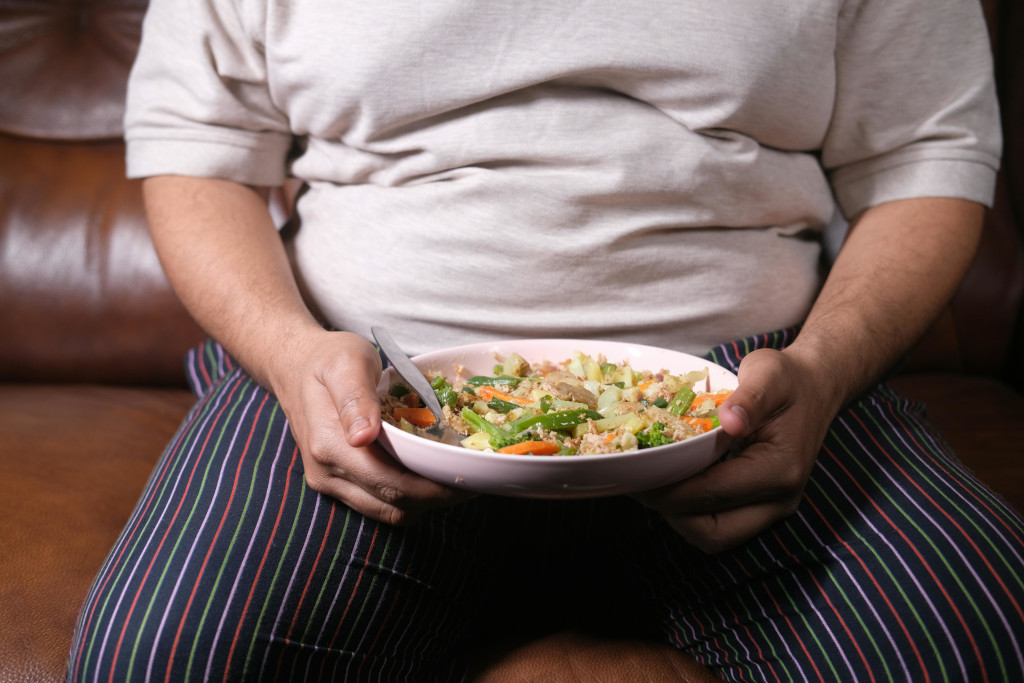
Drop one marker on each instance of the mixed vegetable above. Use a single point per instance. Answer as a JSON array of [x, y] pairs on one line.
[[581, 406]]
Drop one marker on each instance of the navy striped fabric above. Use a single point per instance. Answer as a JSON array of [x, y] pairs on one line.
[[898, 565]]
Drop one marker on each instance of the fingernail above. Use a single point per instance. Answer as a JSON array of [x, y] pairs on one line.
[[741, 413], [358, 425]]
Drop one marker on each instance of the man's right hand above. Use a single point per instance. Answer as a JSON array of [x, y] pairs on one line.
[[224, 256], [327, 387]]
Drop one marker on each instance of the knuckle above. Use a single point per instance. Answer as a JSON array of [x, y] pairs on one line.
[[320, 452], [709, 500], [316, 481], [791, 476], [394, 493], [390, 493], [792, 479], [789, 506], [354, 401]]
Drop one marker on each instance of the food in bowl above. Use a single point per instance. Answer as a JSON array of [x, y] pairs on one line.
[[583, 405]]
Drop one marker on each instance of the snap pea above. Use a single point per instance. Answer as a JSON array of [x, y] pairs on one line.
[[500, 380], [563, 419], [446, 395], [501, 406]]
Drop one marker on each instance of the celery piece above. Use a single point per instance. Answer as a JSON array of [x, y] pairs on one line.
[[478, 423], [680, 403]]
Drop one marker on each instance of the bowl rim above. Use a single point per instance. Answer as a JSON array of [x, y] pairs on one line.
[[478, 347]]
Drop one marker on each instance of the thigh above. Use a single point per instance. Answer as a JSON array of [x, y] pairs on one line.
[[898, 565], [231, 568]]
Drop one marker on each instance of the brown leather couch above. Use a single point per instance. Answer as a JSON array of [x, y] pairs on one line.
[[91, 341]]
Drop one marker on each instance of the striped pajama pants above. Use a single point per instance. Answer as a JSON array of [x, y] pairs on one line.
[[898, 565]]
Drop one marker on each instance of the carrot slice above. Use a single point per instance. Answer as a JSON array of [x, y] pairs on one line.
[[421, 417], [531, 448], [700, 401], [704, 423], [487, 392]]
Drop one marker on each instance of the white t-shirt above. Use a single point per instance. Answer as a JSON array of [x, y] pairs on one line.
[[651, 171]]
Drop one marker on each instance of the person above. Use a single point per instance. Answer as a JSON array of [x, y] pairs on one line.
[[658, 172]]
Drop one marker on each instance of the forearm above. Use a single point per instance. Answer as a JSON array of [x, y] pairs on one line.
[[225, 259], [223, 255], [899, 266]]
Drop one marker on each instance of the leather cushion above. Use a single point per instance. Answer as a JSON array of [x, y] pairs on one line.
[[73, 461], [64, 65], [84, 296]]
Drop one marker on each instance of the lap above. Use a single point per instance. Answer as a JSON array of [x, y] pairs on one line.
[[232, 567], [897, 565]]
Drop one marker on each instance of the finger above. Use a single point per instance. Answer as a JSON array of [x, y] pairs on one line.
[[373, 470], [720, 531], [373, 484], [760, 393], [760, 473], [394, 510], [352, 386], [363, 502]]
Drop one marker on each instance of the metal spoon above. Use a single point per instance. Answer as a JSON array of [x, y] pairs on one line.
[[407, 370]]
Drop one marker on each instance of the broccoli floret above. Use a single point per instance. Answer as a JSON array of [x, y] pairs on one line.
[[653, 436], [502, 441]]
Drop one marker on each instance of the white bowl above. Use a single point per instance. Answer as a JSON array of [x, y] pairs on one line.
[[578, 476]]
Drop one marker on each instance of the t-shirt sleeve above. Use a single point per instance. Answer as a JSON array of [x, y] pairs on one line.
[[915, 112], [198, 99]]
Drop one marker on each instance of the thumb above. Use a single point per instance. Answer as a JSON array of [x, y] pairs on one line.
[[757, 396], [353, 390]]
